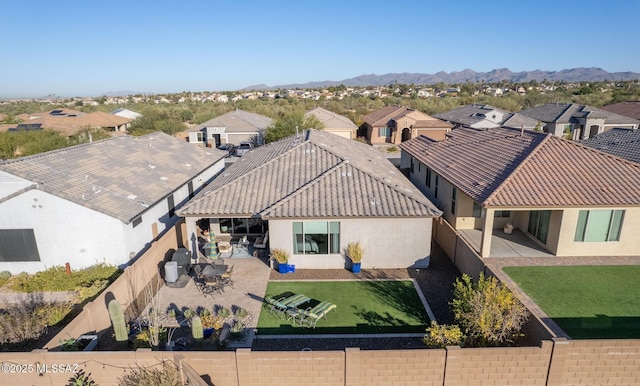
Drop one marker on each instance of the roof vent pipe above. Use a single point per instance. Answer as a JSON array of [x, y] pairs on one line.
[[522, 130]]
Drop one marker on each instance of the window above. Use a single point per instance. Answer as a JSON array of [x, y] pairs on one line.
[[539, 224], [190, 187], [384, 132], [454, 194], [18, 245], [477, 210], [502, 214], [137, 221], [599, 225], [435, 192], [428, 181], [201, 136], [242, 226], [316, 237], [172, 206], [411, 164]]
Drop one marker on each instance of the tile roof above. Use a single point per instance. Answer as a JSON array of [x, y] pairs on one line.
[[120, 176], [237, 121], [69, 122], [623, 143], [567, 112], [313, 174], [394, 113], [469, 115], [331, 120], [432, 123], [504, 168], [628, 109]]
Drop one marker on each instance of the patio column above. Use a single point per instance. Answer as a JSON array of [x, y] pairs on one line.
[[191, 236], [487, 232]]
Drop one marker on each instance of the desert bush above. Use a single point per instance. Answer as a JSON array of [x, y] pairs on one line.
[[56, 279], [165, 374], [442, 335]]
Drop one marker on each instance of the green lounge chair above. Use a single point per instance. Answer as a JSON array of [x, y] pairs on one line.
[[310, 316]]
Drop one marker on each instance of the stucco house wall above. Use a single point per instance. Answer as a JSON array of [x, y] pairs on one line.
[[409, 245]]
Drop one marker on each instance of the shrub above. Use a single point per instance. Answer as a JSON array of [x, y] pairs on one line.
[[355, 251], [442, 335], [489, 312], [280, 255], [164, 375], [56, 278], [23, 322]]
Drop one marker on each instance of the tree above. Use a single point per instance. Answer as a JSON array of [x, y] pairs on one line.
[[288, 124], [488, 312]]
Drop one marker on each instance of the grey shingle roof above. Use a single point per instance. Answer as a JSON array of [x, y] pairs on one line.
[[120, 176], [623, 143], [313, 174], [506, 168], [237, 121], [564, 112]]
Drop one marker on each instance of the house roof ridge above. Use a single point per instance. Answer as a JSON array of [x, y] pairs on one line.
[[47, 153], [517, 169]]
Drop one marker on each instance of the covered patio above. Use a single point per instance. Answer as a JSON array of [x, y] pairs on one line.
[[516, 244]]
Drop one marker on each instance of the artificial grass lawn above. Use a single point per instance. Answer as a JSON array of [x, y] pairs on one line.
[[363, 307], [587, 302]]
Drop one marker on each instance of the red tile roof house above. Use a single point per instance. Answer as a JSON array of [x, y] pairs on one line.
[[396, 124], [566, 198], [316, 192]]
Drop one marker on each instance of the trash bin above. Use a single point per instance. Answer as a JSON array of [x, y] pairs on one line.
[[171, 271]]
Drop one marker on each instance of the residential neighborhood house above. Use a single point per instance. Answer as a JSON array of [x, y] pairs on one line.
[[233, 127], [487, 117], [628, 109], [69, 122], [573, 121], [314, 193], [126, 113], [334, 123], [99, 202], [572, 200], [396, 124], [623, 143]]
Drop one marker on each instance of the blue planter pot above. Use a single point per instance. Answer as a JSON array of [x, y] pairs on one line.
[[355, 267], [207, 332], [283, 267]]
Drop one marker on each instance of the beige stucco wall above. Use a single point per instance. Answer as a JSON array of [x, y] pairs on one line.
[[349, 134], [629, 243], [388, 242]]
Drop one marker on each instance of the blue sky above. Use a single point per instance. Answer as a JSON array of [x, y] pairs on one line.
[[88, 48]]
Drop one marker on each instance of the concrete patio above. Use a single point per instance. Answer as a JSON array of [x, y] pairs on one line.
[[250, 276], [516, 244]]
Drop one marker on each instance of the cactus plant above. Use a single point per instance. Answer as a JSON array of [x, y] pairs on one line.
[[117, 320], [196, 328]]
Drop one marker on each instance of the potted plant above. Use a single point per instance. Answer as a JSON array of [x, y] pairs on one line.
[[355, 252], [210, 323], [282, 257]]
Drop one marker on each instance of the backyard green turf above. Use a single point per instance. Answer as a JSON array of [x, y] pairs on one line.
[[587, 302], [363, 307]]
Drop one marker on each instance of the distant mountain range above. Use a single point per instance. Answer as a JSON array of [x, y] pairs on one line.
[[456, 77]]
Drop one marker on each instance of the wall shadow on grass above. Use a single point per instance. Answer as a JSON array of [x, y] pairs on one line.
[[601, 327]]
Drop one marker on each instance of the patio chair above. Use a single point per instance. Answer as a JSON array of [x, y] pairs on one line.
[[294, 300], [225, 249], [311, 316], [226, 279], [274, 306], [206, 284]]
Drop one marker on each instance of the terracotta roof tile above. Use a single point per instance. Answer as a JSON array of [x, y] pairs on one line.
[[504, 168], [314, 174]]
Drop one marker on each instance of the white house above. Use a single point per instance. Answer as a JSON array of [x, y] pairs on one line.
[[126, 113], [99, 202], [233, 127]]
